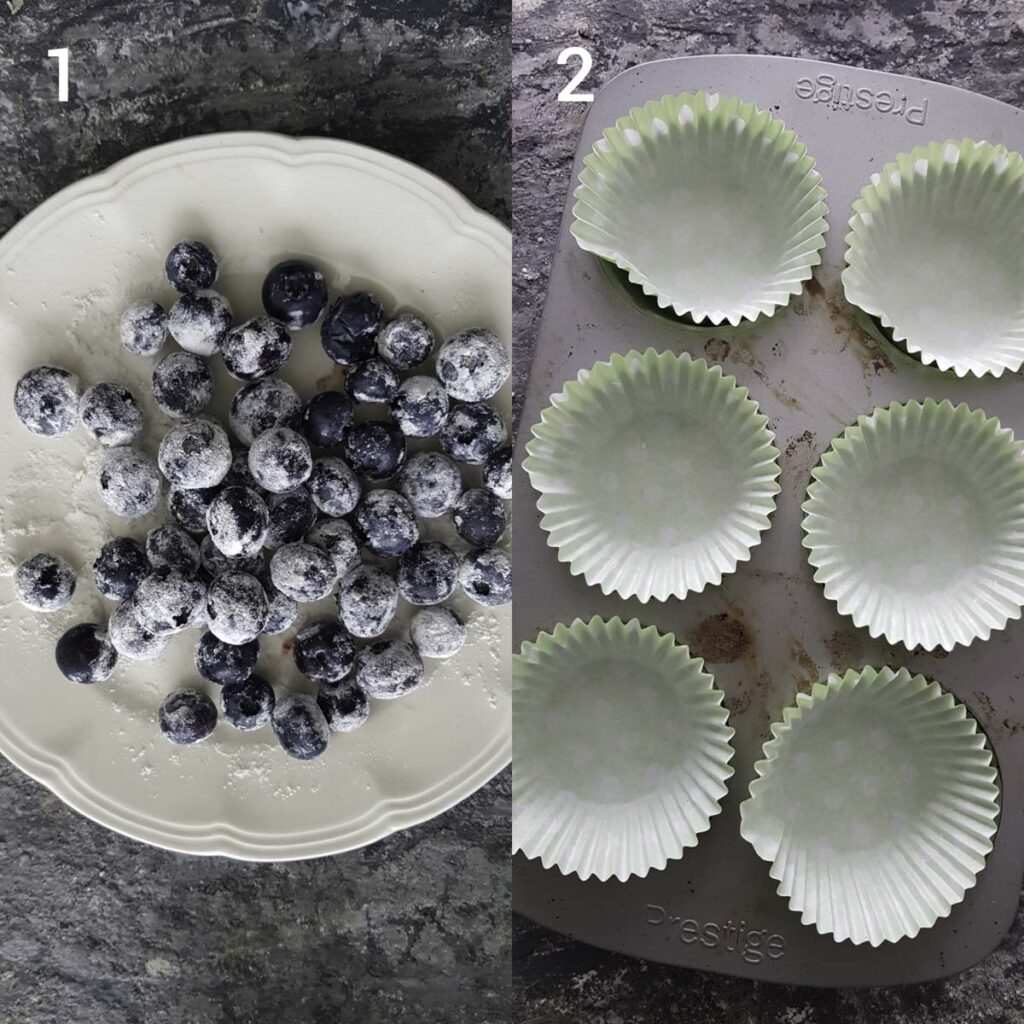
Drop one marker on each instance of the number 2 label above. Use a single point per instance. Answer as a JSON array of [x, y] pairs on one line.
[[569, 94]]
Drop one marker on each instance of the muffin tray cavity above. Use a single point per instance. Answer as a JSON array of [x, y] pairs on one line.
[[768, 631]]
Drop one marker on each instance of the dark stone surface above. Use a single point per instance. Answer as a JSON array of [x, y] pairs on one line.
[[977, 45], [97, 928]]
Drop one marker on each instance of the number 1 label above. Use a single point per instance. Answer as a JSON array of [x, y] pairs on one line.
[[62, 72]]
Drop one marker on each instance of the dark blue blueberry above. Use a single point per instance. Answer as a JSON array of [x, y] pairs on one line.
[[345, 707], [375, 449], [300, 726], [120, 567], [386, 523], [372, 380], [327, 417], [223, 663], [188, 506], [143, 328], [282, 610], [187, 716], [256, 349], [295, 293], [46, 400], [191, 266], [420, 406], [472, 433], [85, 654], [349, 329], [238, 475], [486, 576], [405, 342], [111, 414], [172, 546], [215, 561], [480, 517], [324, 652], [428, 573], [44, 582], [497, 472], [248, 704], [292, 515], [182, 384]]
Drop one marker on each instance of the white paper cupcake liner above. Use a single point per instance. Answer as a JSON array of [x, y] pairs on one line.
[[875, 805], [656, 474], [709, 204], [934, 252], [622, 749], [914, 523]]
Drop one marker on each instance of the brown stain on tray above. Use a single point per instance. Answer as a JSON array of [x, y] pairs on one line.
[[720, 639]]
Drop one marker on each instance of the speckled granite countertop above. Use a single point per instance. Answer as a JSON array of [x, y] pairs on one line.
[[101, 929], [976, 45]]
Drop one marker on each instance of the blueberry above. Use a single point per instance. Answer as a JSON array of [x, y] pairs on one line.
[[248, 704], [367, 601], [295, 293], [238, 520], [300, 726], [349, 329], [187, 716], [335, 489], [327, 417], [282, 610], [236, 607], [280, 460], [386, 523], [486, 577], [196, 453], [129, 482], [239, 475], [375, 450], [480, 518], [437, 632], [46, 400], [85, 654], [223, 663], [130, 639], [472, 433], [420, 407], [182, 384], [473, 365], [387, 669], [168, 601], [292, 514], [262, 405], [324, 652], [188, 506], [405, 342], [497, 473], [428, 573], [111, 414], [173, 547], [143, 328], [431, 483], [44, 583], [120, 567], [337, 538], [303, 572], [372, 380], [191, 266], [256, 349], [345, 707], [215, 562], [199, 322]]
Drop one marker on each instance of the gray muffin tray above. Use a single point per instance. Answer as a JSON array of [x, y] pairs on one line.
[[768, 630]]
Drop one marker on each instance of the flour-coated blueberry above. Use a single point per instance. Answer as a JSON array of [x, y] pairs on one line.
[[199, 322], [195, 453], [473, 365], [324, 651], [236, 607], [129, 482], [266, 403], [120, 567], [472, 433], [187, 716], [44, 582], [420, 407], [431, 482], [300, 726], [486, 576], [367, 600], [375, 449], [280, 460], [222, 663], [172, 546], [111, 414], [248, 704], [143, 328], [85, 654], [256, 349], [437, 632], [46, 400], [190, 266], [303, 572], [387, 669], [386, 523], [405, 342], [182, 384]]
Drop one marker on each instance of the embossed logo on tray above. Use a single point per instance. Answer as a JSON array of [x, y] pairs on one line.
[[751, 944], [826, 88]]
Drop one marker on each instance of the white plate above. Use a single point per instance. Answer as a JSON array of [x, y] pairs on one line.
[[66, 271]]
